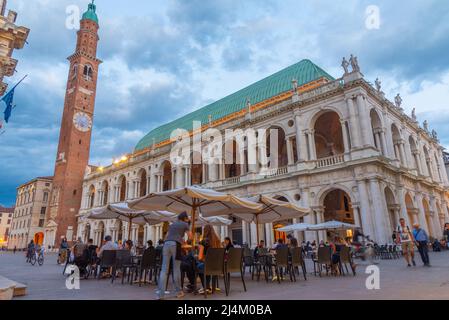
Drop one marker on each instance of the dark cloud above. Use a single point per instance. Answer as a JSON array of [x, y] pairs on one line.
[[160, 58]]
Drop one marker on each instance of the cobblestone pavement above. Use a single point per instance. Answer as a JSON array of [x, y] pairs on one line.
[[396, 282]]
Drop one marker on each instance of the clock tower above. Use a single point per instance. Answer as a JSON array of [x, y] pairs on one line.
[[75, 133]]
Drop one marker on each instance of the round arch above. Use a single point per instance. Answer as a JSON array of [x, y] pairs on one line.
[[166, 169], [142, 175], [123, 186], [328, 135]]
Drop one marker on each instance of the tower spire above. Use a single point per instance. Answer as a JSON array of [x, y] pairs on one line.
[[91, 13]]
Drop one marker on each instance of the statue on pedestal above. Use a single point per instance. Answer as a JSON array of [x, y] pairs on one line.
[[378, 84], [295, 86], [345, 65], [414, 114], [398, 100], [426, 125], [354, 63], [434, 135]]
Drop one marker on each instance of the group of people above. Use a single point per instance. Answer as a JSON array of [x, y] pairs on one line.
[[418, 237]]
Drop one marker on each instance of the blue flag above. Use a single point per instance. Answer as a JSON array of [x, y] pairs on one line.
[[8, 99]]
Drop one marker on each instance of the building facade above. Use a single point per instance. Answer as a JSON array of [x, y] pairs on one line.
[[12, 37], [75, 133], [5, 225], [28, 220], [343, 150]]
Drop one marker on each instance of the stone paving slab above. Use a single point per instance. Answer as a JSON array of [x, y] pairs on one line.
[[396, 282]]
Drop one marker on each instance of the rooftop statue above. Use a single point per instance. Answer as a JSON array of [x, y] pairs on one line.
[[398, 100], [295, 85], [378, 84], [426, 125], [345, 65], [434, 135], [354, 63], [414, 114]]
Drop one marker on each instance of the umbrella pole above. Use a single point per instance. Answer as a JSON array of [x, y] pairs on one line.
[[257, 230], [193, 224], [129, 228]]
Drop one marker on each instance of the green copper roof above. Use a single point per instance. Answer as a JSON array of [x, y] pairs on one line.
[[90, 14], [304, 72]]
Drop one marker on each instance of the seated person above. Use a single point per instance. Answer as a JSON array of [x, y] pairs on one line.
[[210, 240], [228, 244], [257, 249], [108, 245], [92, 251]]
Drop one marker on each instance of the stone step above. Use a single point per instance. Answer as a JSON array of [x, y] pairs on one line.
[[10, 289], [20, 290]]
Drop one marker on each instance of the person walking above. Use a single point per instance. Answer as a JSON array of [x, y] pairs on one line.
[[15, 249], [171, 253], [422, 240], [405, 239]]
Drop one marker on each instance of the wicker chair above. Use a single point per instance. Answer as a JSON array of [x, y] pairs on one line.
[[107, 261], [297, 262], [148, 266], [234, 264], [282, 263], [345, 259], [214, 266], [324, 259]]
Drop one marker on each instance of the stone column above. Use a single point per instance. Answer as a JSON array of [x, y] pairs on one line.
[[368, 139], [389, 140], [289, 151], [345, 136], [311, 144], [436, 228], [354, 126], [403, 154], [356, 212], [253, 228], [300, 141], [384, 143], [365, 210], [379, 210]]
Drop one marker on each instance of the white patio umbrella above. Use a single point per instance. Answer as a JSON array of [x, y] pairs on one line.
[[214, 221], [332, 225], [296, 227], [272, 210], [122, 211], [194, 199]]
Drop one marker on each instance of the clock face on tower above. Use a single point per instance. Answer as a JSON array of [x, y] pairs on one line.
[[82, 121]]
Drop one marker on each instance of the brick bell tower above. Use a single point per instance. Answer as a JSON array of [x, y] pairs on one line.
[[75, 133]]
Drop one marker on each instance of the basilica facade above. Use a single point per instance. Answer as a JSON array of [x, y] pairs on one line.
[[343, 150]]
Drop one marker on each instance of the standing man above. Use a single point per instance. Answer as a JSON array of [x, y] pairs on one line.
[[171, 253], [405, 238], [422, 240]]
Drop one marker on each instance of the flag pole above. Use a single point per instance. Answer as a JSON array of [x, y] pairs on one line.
[[16, 85]]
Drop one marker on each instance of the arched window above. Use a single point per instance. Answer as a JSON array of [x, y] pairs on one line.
[[88, 72], [378, 133], [328, 135], [91, 197], [415, 154], [75, 71], [398, 144]]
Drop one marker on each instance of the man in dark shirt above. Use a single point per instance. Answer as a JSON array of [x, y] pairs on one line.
[[172, 243]]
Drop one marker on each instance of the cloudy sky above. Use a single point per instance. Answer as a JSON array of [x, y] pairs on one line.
[[164, 58]]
